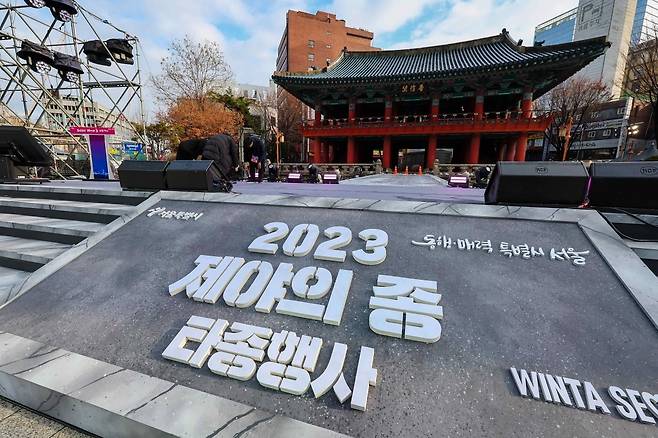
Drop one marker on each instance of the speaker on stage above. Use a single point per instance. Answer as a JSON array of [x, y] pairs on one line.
[[142, 175], [193, 175], [537, 183], [624, 185]]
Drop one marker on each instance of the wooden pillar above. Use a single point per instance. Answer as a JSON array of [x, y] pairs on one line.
[[351, 150], [325, 152], [435, 108], [351, 110], [386, 162], [473, 153], [316, 148], [430, 156], [478, 108], [521, 146], [526, 103], [502, 149], [388, 110], [509, 152], [318, 116]]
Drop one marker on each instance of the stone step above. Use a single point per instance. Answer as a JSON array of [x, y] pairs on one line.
[[8, 278], [644, 250], [63, 209], [109, 196], [16, 252], [45, 228]]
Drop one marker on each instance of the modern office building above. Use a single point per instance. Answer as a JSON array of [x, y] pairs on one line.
[[474, 97], [557, 30], [561, 29], [622, 22], [645, 21]]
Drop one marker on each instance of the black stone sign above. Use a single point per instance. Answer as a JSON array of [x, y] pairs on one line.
[[538, 314]]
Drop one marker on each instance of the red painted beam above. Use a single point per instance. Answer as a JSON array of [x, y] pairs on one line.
[[428, 128]]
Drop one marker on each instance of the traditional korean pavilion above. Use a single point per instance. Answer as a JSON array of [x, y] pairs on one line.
[[474, 97]]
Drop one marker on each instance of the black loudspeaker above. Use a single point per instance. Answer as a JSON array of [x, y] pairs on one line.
[[142, 175], [624, 185], [537, 183], [192, 175], [7, 169]]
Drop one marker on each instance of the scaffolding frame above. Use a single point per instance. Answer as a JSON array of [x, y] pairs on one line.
[[32, 99]]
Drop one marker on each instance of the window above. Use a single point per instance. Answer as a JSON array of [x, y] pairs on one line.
[[311, 43], [328, 61], [328, 46], [594, 115], [591, 134], [606, 133], [621, 110], [311, 57]]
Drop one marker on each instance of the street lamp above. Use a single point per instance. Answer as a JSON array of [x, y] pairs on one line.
[[633, 130], [279, 139]]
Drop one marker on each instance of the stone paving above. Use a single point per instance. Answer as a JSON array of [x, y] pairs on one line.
[[424, 188], [17, 422]]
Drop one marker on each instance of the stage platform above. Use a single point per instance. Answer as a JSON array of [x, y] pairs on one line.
[[85, 345]]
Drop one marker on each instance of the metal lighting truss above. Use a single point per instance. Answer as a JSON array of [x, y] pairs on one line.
[[31, 98]]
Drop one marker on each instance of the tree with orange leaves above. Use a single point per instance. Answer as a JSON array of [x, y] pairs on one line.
[[194, 119]]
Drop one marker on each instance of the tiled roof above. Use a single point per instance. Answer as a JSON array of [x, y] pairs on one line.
[[496, 53]]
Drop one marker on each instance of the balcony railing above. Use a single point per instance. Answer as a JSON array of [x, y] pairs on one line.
[[426, 119]]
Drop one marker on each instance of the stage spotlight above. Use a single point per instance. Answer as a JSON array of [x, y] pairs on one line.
[[96, 53], [68, 66], [121, 51], [62, 10], [36, 3], [39, 58]]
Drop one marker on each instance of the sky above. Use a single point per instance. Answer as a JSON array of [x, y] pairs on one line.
[[249, 31]]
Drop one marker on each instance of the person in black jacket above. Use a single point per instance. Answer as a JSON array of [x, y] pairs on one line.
[[223, 150], [190, 149], [257, 158]]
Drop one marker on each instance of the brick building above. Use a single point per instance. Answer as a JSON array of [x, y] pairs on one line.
[[474, 97], [311, 42]]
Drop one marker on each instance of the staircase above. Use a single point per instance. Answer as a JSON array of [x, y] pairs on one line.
[[40, 223], [640, 233]]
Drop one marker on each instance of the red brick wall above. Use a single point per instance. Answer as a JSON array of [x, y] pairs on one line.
[[329, 35]]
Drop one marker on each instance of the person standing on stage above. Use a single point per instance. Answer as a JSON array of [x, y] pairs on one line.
[[257, 159]]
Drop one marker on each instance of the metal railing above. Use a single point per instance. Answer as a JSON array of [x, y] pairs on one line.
[[424, 119]]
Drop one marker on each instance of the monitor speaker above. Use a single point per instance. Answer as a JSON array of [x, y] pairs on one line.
[[192, 175], [624, 185], [142, 175], [537, 183]]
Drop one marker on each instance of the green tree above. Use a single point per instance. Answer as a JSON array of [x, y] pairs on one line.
[[241, 105], [161, 135]]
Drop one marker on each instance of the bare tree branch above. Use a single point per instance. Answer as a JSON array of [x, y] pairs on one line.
[[567, 104], [191, 71]]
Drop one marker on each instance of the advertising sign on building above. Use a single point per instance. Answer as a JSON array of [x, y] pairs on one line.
[[612, 19]]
